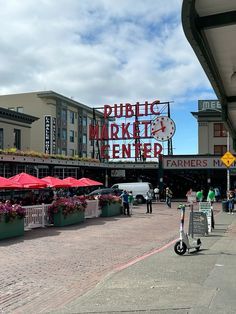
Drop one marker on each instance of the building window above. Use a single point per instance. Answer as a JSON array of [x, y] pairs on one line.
[[63, 151], [17, 138], [1, 139], [20, 109], [219, 130], [71, 152], [63, 115], [84, 121], [72, 117], [72, 136], [84, 139], [64, 135], [220, 149]]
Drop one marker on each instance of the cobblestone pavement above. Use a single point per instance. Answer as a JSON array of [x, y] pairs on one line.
[[47, 268]]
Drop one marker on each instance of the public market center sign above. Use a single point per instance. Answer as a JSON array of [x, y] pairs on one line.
[[151, 122]]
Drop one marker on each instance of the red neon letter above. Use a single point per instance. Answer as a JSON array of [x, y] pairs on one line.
[[155, 102], [104, 133], [138, 113], [146, 125], [146, 150], [125, 132], [114, 131], [126, 150], [94, 132], [107, 111], [129, 112], [157, 149], [115, 151], [116, 109]]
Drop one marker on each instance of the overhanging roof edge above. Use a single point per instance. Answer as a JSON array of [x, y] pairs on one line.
[[201, 48]]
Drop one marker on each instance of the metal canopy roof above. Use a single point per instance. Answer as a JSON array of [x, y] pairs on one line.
[[210, 27]]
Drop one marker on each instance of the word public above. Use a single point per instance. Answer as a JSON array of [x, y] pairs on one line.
[[126, 131]]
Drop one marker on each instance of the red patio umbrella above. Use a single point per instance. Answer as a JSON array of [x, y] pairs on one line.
[[73, 182], [27, 181], [8, 184], [55, 182], [89, 182]]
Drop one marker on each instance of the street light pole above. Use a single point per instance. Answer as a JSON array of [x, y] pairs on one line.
[[228, 172]]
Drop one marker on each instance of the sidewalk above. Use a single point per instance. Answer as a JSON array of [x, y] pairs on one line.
[[203, 282]]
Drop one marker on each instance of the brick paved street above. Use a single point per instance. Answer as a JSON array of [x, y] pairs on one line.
[[47, 268]]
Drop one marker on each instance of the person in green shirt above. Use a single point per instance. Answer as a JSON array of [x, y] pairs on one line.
[[211, 196], [199, 196]]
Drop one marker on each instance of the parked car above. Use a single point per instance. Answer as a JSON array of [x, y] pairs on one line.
[[106, 191]]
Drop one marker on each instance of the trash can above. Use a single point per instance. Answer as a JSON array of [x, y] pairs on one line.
[[225, 206]]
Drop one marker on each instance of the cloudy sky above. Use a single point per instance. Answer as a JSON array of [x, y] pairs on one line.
[[104, 52]]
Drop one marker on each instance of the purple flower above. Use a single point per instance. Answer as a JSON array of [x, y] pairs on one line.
[[9, 211], [68, 205]]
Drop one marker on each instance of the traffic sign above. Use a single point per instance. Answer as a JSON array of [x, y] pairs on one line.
[[228, 159]]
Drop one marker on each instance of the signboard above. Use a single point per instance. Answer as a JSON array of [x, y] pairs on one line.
[[228, 159], [199, 222], [118, 173], [194, 162], [205, 207], [209, 105], [54, 136], [137, 122], [47, 134]]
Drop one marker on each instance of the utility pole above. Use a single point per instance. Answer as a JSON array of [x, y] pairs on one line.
[[228, 171], [170, 145]]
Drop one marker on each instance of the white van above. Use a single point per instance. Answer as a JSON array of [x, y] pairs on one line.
[[139, 189]]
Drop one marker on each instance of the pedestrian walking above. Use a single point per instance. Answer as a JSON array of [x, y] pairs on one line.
[[230, 198], [131, 202], [169, 195], [149, 202], [189, 194], [211, 196], [217, 194], [157, 193], [125, 201], [200, 196]]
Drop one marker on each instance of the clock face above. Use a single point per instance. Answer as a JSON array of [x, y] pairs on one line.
[[163, 128]]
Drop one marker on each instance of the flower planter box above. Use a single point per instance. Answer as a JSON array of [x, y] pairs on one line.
[[11, 229], [112, 209], [71, 219]]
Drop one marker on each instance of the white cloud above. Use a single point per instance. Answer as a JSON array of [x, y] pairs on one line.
[[103, 51], [98, 51]]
